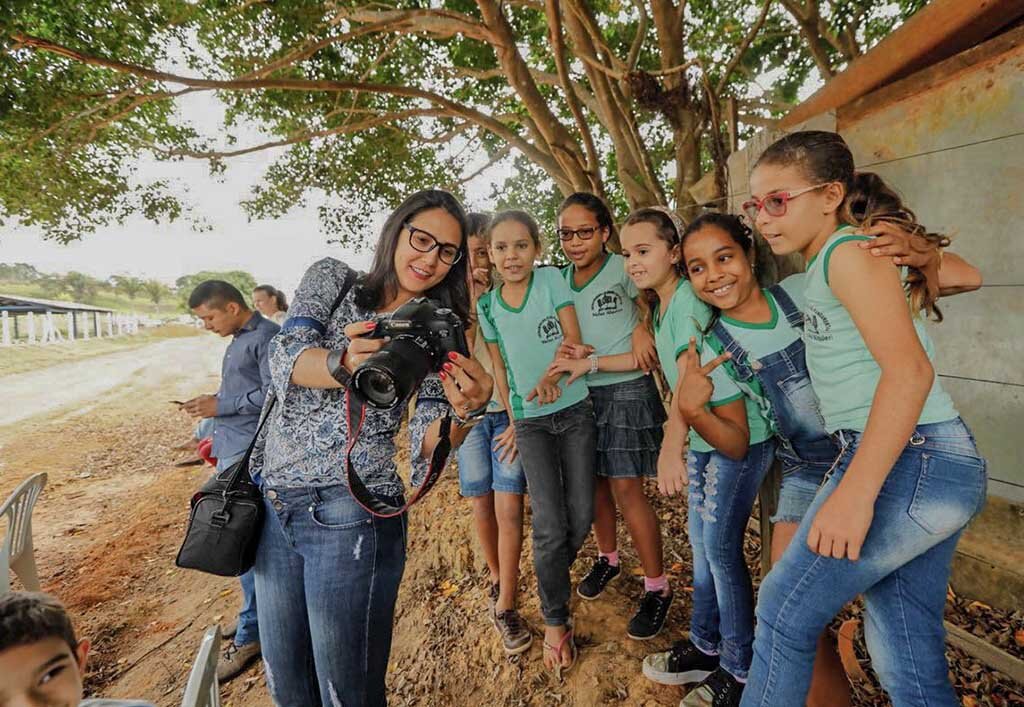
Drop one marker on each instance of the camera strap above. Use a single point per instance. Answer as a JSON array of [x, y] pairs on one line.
[[354, 417]]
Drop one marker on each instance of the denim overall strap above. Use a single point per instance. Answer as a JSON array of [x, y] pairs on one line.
[[793, 314], [784, 379]]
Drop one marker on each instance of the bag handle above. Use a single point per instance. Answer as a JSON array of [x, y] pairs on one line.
[[242, 467], [356, 413]]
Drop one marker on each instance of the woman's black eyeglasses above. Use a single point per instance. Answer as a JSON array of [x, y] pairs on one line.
[[424, 242], [584, 234]]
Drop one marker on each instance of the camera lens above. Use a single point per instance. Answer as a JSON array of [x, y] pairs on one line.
[[378, 387], [390, 376]]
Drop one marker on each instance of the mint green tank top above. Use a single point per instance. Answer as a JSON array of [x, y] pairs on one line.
[[843, 372]]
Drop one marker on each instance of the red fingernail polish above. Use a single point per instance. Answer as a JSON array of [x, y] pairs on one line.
[[453, 356], [448, 367], [371, 325], [442, 375]]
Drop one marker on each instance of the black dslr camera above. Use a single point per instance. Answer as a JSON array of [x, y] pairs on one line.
[[422, 335]]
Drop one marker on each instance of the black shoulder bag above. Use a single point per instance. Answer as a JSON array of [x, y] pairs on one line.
[[224, 525]]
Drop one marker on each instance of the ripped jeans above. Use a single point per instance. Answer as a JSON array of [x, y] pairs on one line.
[[721, 496], [327, 576]]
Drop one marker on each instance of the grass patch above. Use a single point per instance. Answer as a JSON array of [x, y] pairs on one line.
[[23, 357], [104, 299]]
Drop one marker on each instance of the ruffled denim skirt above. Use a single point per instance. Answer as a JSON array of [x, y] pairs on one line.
[[629, 417]]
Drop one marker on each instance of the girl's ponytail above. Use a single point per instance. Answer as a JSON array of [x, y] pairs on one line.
[[871, 200]]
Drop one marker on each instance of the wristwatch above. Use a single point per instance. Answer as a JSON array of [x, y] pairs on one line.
[[472, 417], [336, 366]]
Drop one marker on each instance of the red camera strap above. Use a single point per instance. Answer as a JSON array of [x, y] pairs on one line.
[[355, 415]]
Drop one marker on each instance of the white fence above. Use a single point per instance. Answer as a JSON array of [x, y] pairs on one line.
[[47, 327]]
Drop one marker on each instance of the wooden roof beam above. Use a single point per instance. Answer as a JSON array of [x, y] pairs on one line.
[[940, 30]]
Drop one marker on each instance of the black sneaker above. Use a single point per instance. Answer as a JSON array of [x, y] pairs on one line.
[[597, 579], [650, 617], [682, 665], [719, 689]]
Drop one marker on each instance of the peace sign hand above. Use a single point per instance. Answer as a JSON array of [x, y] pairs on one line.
[[695, 385]]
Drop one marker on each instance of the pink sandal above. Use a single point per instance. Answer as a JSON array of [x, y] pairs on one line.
[[557, 651]]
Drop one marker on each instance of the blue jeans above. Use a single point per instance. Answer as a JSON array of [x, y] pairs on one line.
[[721, 496], [480, 469], [559, 453], [936, 486], [327, 576]]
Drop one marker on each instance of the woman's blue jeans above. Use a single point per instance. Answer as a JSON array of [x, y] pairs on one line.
[[721, 496], [327, 576], [936, 486]]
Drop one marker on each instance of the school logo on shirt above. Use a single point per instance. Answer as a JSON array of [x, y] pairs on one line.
[[608, 302], [548, 330], [816, 325]]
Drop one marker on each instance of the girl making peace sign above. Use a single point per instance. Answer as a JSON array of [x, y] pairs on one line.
[[731, 447]]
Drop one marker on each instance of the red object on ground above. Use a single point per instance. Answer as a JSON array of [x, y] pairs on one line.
[[205, 451]]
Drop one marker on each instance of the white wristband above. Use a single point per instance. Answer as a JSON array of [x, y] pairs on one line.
[[593, 362]]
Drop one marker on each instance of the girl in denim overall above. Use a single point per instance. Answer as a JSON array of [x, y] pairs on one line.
[[909, 477], [762, 330], [730, 450]]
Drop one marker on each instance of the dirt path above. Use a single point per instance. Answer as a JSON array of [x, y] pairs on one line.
[[86, 383], [110, 520]]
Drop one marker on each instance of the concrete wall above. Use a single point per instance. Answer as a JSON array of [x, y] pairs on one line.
[[951, 140]]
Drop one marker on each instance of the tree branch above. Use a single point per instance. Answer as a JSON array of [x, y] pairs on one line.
[[546, 125], [446, 136], [303, 136], [742, 48], [436, 22], [544, 159], [554, 15], [495, 159], [612, 65], [638, 40], [808, 27]]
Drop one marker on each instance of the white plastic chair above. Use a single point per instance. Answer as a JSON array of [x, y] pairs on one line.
[[17, 552], [202, 689]]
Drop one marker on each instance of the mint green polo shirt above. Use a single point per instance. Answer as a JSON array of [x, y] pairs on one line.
[[528, 337], [843, 372], [606, 309]]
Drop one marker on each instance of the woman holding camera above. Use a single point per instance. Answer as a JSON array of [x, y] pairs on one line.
[[327, 571]]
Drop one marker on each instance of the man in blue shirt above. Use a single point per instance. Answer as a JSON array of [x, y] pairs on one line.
[[235, 410]]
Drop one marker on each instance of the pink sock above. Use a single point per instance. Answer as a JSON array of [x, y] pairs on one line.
[[655, 584], [612, 557]]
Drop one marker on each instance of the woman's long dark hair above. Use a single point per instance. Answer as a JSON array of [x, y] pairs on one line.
[[279, 298], [825, 157], [380, 284]]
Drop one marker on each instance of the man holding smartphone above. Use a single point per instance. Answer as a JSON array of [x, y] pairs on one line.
[[235, 412]]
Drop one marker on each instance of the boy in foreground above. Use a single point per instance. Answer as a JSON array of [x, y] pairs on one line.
[[42, 663]]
